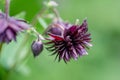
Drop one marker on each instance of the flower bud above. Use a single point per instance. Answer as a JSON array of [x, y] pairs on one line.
[[37, 47], [55, 30], [57, 27]]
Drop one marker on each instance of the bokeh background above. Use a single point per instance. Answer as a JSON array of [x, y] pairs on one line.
[[103, 61]]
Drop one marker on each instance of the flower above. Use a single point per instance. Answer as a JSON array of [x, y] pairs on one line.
[[9, 28], [37, 47], [73, 42]]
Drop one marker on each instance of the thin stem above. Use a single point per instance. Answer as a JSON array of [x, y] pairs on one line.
[[39, 35], [56, 13], [7, 5], [7, 75], [77, 22], [39, 14], [34, 21], [1, 44], [19, 50]]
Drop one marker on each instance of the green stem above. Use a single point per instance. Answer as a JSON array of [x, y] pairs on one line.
[[56, 13], [39, 14], [4, 74], [38, 34], [1, 44], [6, 77], [7, 5], [19, 50]]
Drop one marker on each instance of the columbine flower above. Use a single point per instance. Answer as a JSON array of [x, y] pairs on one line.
[[9, 27], [72, 43]]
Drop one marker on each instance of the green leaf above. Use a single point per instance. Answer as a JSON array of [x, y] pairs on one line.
[[42, 22], [21, 15], [23, 69], [2, 1], [13, 53], [0, 10]]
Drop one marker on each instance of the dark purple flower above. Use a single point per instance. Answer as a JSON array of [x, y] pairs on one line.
[[9, 27], [71, 44]]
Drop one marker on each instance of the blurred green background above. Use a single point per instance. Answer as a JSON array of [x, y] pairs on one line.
[[103, 61]]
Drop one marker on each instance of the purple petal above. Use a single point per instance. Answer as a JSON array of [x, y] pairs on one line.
[[1, 15], [83, 28], [1, 37], [22, 24], [56, 37], [73, 28], [14, 27], [63, 54], [84, 52], [3, 26], [88, 44], [6, 40], [67, 56], [10, 34], [75, 54]]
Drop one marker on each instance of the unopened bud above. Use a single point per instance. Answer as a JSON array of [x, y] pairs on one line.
[[55, 30], [37, 47]]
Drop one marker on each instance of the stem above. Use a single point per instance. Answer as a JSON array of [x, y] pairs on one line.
[[4, 73], [56, 13], [39, 35], [1, 44], [34, 21], [6, 77], [77, 22], [19, 50], [7, 5]]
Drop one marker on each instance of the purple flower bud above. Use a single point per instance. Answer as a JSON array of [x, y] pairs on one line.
[[55, 30], [55, 27], [37, 48], [9, 27]]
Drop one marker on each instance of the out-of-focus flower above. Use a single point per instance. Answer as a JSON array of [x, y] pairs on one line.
[[72, 42], [9, 27], [37, 47], [52, 4]]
